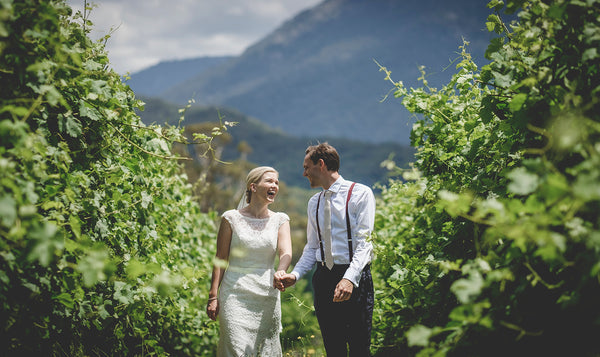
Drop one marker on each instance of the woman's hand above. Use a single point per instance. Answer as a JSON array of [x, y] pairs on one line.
[[283, 280], [212, 308], [277, 283]]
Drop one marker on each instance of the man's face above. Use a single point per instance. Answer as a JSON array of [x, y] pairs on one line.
[[312, 172]]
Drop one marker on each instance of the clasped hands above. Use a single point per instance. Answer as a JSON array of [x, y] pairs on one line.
[[282, 280], [343, 290]]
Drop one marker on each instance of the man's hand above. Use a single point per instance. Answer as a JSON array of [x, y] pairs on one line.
[[281, 280], [343, 291]]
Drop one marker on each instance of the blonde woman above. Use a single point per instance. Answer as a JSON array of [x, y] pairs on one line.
[[242, 296]]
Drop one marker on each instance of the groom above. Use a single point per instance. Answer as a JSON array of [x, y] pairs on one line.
[[340, 221]]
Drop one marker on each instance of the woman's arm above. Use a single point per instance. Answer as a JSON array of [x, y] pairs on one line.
[[221, 258], [284, 246]]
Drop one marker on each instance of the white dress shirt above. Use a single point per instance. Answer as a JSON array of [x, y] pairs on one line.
[[361, 212]]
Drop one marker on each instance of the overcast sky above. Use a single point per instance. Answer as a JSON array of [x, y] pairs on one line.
[[150, 31]]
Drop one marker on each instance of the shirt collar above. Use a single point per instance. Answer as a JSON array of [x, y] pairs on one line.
[[337, 185]]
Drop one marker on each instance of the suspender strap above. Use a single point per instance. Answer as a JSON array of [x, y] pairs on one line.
[[319, 230], [348, 229]]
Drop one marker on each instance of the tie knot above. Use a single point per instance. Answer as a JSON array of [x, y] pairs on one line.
[[328, 194]]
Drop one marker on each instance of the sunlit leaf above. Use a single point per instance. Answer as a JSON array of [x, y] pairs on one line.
[[418, 335], [522, 181]]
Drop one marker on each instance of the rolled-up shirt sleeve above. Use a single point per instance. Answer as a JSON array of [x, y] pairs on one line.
[[362, 217], [311, 249]]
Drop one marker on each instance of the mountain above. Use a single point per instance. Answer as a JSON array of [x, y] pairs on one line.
[[360, 161], [154, 80], [315, 75]]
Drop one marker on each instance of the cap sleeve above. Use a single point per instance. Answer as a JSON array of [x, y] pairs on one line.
[[282, 218], [228, 215]]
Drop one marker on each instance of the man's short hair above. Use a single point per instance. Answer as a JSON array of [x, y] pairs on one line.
[[326, 152]]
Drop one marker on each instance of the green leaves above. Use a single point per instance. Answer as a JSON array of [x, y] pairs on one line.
[[495, 242], [86, 110], [94, 266], [8, 211], [494, 24], [45, 242], [418, 336], [102, 248], [517, 102], [522, 181], [469, 288], [466, 290], [69, 124]]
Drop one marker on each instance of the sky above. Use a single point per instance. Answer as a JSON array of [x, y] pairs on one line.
[[149, 31]]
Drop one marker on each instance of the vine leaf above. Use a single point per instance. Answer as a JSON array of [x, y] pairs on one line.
[[522, 181]]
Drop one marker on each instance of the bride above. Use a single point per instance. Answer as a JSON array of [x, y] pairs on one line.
[[241, 295]]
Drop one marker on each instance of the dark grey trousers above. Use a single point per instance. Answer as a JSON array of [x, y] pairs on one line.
[[345, 326]]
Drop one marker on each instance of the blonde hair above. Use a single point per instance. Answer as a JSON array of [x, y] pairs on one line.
[[254, 176]]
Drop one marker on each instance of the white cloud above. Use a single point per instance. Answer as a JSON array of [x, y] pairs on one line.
[[148, 31]]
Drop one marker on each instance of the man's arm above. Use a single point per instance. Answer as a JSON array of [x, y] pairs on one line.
[[304, 265], [363, 209], [308, 259]]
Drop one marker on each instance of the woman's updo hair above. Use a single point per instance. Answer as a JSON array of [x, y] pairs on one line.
[[254, 176]]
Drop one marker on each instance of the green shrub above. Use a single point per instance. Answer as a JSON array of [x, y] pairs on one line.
[[102, 250], [492, 245]]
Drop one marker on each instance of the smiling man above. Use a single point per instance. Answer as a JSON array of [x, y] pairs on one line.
[[340, 222]]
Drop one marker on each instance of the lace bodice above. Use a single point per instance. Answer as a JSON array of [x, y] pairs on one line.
[[254, 240]]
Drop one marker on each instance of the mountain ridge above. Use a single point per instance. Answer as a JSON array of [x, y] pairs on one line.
[[154, 80], [316, 75]]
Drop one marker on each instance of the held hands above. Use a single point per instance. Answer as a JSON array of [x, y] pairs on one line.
[[343, 291], [282, 280]]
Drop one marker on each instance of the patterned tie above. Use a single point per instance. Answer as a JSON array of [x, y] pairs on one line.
[[327, 230]]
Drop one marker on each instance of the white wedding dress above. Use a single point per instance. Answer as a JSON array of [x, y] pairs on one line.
[[249, 306]]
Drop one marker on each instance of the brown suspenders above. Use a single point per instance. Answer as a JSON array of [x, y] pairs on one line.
[[348, 225], [348, 230]]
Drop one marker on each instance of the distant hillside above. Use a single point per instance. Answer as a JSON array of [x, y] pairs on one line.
[[154, 80], [315, 75], [360, 160]]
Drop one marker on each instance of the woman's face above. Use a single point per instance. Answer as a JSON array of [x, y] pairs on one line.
[[267, 188]]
